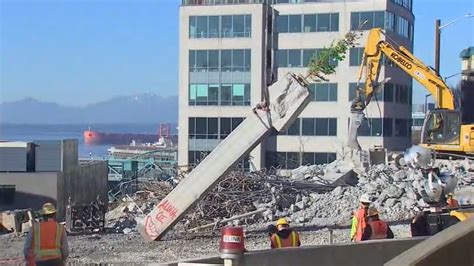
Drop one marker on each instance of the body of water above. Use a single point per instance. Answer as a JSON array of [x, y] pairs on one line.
[[57, 132]]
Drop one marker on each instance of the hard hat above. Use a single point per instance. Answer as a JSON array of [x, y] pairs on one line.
[[48, 208], [372, 212], [281, 221], [365, 198]]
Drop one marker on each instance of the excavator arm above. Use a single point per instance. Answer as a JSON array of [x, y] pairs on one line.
[[426, 76]]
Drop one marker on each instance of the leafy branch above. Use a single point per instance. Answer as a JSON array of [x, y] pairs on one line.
[[325, 61]]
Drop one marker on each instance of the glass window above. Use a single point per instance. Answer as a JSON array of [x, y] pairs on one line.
[[333, 92], [226, 26], [213, 27], [294, 58], [387, 127], [238, 26], [282, 24], [192, 60], [388, 92], [237, 60], [226, 94], [308, 158], [282, 58], [236, 122], [192, 27], [322, 92], [355, 18], [201, 94], [369, 17], [192, 94], [323, 22], [238, 91], [295, 23], [335, 22], [212, 129], [355, 56], [309, 23], [320, 157], [201, 127], [201, 27], [379, 19], [322, 126], [307, 126], [401, 128], [332, 127], [226, 127], [201, 60], [213, 60], [352, 91], [247, 60], [213, 98], [312, 91], [293, 160], [247, 94], [376, 127], [390, 21], [307, 55], [191, 127], [226, 60], [294, 129], [248, 26]]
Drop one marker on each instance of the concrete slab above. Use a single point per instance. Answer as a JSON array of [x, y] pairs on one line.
[[283, 111]]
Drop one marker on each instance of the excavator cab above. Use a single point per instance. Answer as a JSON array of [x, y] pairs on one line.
[[442, 126]]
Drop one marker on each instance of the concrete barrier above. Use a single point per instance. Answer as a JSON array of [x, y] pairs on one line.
[[366, 253], [452, 246]]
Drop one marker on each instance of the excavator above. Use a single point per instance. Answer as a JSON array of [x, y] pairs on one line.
[[443, 130]]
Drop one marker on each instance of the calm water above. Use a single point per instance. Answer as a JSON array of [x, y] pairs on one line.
[[56, 132]]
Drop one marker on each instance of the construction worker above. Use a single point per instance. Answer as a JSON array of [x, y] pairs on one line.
[[376, 228], [451, 202], [46, 243], [284, 236], [359, 218]]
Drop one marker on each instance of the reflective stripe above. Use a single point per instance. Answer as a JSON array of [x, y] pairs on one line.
[[40, 253], [293, 238], [59, 231], [278, 241], [36, 239]]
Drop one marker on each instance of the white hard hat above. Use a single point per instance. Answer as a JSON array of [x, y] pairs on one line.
[[365, 198]]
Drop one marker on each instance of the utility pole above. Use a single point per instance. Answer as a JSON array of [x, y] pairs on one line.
[[437, 45]]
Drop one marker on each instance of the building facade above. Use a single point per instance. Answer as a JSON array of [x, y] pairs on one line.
[[232, 50]]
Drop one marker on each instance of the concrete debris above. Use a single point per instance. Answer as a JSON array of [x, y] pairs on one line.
[[316, 195]]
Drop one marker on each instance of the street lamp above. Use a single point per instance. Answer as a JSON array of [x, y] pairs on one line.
[[438, 28]]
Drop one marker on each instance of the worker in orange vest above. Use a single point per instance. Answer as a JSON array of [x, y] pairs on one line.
[[359, 218], [46, 243], [284, 236], [376, 228], [451, 202]]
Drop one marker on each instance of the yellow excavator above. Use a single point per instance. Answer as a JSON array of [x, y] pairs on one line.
[[443, 128]]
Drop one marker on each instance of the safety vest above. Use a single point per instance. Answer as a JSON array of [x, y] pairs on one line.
[[46, 242], [291, 241], [452, 203], [358, 225], [379, 229]]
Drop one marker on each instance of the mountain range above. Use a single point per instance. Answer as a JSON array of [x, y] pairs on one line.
[[141, 108]]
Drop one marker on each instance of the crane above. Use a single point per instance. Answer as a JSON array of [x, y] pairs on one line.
[[443, 128]]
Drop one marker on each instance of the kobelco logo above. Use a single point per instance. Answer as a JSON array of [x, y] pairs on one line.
[[401, 60]]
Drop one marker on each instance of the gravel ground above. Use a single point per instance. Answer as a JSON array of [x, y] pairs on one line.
[[120, 248]]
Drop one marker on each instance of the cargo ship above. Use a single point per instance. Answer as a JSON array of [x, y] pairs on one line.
[[94, 138]]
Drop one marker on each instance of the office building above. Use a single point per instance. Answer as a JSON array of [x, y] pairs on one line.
[[230, 50]]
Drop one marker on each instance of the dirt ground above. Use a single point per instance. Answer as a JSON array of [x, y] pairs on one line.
[[121, 248]]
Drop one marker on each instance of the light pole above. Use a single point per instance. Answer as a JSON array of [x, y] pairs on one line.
[[438, 28]]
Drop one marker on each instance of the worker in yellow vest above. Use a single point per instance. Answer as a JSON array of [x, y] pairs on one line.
[[46, 243], [284, 237]]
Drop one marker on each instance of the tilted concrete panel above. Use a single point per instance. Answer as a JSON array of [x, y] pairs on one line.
[[283, 111]]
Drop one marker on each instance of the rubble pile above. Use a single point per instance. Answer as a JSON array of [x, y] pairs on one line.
[[316, 195]]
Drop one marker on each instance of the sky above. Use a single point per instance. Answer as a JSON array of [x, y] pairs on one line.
[[76, 52]]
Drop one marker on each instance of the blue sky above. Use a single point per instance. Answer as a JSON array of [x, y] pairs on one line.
[[76, 52]]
